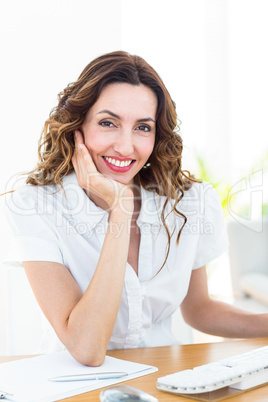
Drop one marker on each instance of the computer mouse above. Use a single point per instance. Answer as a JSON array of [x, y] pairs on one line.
[[121, 393]]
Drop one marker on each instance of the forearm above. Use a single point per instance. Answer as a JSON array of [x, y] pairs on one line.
[[222, 319], [91, 322]]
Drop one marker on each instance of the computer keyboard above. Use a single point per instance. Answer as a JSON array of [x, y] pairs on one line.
[[243, 371]]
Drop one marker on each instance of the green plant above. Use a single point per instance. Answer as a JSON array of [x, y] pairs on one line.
[[221, 186], [224, 188]]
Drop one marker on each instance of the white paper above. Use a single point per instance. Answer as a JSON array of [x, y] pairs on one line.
[[28, 379]]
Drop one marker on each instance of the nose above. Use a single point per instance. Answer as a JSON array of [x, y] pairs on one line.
[[124, 143]]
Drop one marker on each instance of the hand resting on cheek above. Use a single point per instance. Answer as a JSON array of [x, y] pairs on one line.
[[95, 184]]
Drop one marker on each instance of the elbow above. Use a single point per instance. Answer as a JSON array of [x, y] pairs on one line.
[[91, 361], [85, 350], [87, 357]]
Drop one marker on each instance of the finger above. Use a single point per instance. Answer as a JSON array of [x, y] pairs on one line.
[[86, 159], [83, 162], [78, 160], [78, 138]]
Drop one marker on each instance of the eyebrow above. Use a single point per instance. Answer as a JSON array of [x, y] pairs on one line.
[[118, 117]]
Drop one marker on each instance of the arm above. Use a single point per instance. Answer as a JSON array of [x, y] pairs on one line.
[[84, 323], [218, 318]]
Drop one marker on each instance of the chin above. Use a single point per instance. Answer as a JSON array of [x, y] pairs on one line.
[[122, 180], [125, 182]]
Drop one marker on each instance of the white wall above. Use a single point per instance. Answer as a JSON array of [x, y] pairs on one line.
[[248, 104], [188, 45], [211, 54], [45, 46]]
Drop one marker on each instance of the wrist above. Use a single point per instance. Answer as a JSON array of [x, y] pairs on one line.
[[125, 203], [122, 211]]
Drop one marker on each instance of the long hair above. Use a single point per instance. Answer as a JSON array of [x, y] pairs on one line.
[[164, 174]]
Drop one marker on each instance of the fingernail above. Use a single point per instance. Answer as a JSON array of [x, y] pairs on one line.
[[80, 146], [75, 133]]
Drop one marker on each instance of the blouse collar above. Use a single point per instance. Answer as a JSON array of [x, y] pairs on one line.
[[78, 201]]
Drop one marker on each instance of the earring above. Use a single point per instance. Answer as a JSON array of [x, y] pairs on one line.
[[146, 165]]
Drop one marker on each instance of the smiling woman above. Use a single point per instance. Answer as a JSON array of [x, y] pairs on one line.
[[141, 91], [119, 130], [111, 249]]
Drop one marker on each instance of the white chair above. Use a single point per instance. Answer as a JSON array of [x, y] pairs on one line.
[[249, 265]]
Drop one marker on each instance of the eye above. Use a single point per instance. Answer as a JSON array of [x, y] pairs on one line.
[[144, 127], [106, 123]]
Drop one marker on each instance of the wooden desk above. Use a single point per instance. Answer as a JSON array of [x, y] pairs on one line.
[[174, 358]]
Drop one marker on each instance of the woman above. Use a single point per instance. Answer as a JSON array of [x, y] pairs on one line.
[[112, 234]]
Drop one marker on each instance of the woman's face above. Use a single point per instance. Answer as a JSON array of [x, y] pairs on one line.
[[119, 130]]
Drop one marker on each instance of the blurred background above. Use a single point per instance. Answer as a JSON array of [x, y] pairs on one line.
[[212, 56]]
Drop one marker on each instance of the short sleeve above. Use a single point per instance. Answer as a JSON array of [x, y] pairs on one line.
[[213, 239], [33, 232]]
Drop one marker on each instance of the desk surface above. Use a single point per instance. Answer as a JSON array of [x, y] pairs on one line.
[[175, 358]]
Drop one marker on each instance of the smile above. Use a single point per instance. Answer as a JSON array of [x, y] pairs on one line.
[[119, 166], [118, 163]]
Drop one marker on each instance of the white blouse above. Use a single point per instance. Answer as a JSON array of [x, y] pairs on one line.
[[49, 224]]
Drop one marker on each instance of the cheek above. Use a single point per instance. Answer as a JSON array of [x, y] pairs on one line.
[[95, 143], [148, 147]]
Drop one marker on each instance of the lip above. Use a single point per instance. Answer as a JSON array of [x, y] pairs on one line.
[[118, 168]]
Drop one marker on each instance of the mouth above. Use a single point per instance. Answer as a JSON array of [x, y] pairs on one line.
[[119, 165]]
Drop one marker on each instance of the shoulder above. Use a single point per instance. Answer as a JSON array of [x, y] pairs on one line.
[[28, 199], [200, 194], [200, 189], [29, 194]]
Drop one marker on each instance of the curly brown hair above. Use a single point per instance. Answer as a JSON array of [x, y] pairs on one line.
[[56, 145]]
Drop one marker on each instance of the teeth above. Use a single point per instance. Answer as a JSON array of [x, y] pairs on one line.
[[117, 162]]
